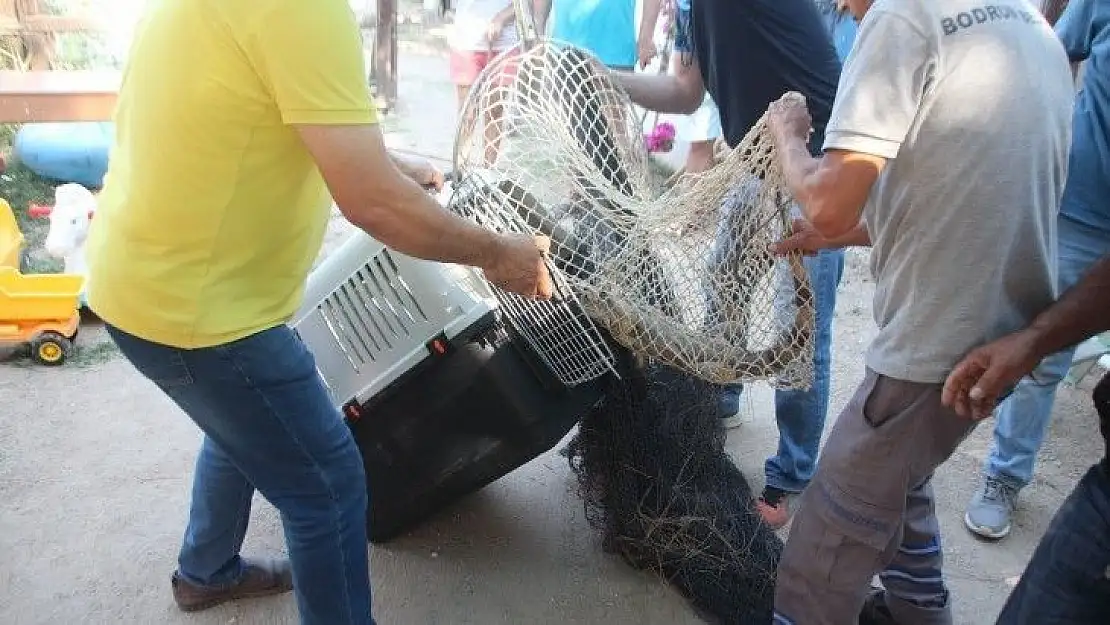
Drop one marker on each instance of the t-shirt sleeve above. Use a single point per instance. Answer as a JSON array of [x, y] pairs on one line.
[[310, 56], [1078, 25], [880, 88]]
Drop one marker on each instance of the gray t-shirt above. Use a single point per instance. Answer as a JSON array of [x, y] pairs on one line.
[[971, 104]]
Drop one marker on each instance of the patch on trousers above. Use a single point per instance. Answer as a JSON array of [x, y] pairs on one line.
[[851, 516]]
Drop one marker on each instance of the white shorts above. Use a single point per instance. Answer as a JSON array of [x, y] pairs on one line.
[[703, 124]]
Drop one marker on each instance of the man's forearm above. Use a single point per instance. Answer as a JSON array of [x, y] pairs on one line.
[[409, 220], [831, 190], [375, 190], [798, 166], [1082, 312], [660, 93], [800, 171]]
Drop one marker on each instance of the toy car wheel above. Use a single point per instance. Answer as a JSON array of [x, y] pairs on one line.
[[51, 349]]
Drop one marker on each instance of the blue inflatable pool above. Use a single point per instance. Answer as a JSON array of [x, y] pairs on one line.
[[66, 152]]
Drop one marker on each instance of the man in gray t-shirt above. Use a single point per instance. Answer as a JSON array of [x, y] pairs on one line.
[[946, 152]]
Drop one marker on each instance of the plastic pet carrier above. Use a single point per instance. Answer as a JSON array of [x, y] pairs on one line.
[[442, 396]]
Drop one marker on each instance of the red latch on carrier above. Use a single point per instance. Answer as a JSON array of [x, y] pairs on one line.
[[352, 411], [439, 345]]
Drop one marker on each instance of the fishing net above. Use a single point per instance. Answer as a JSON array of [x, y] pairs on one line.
[[658, 484], [669, 292], [549, 144]]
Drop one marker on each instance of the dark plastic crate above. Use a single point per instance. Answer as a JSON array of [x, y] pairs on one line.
[[459, 422]]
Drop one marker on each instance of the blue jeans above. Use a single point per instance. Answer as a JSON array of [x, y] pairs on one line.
[[1022, 419], [801, 414], [269, 424], [1068, 579]]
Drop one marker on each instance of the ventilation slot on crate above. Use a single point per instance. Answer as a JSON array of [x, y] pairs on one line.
[[372, 311]]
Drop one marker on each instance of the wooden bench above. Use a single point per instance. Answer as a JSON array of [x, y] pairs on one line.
[[57, 96]]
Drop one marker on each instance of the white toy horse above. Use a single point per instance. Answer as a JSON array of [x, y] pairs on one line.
[[73, 209]]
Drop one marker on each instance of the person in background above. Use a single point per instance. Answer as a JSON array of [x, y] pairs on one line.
[[922, 117], [482, 30], [1068, 578], [701, 129], [1083, 232], [215, 204], [746, 55], [842, 26], [605, 28]]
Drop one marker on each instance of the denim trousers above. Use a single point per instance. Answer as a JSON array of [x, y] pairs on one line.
[[269, 425], [1022, 420], [800, 414], [1067, 581]]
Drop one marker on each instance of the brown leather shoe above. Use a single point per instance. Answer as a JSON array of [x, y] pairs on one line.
[[260, 579]]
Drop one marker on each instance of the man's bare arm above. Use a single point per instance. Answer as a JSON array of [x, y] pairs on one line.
[[832, 190], [680, 92], [375, 195], [986, 374], [1082, 312]]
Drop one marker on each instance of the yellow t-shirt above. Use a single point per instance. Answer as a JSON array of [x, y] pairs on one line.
[[213, 211]]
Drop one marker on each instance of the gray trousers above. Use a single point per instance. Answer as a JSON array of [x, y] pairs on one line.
[[869, 510]]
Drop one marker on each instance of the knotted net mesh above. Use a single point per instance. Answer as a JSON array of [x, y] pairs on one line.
[[674, 290], [549, 144]]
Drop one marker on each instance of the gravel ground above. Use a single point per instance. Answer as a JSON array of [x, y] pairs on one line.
[[95, 468]]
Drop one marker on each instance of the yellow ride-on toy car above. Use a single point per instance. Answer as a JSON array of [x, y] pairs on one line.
[[39, 309]]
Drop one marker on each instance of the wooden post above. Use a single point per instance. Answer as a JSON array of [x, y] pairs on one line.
[[384, 62], [39, 46], [37, 31], [54, 96]]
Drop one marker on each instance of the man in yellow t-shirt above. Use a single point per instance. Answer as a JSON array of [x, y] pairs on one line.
[[236, 121]]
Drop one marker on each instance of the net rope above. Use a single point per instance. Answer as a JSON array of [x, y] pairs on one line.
[[680, 275]]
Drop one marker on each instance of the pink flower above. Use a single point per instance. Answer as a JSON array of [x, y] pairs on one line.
[[660, 139]]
